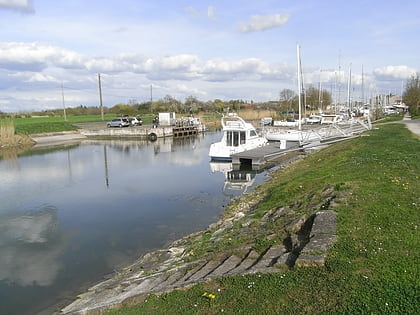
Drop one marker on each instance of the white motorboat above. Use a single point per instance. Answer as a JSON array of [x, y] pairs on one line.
[[238, 136]]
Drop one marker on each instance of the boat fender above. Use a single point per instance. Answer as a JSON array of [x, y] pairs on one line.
[[152, 136]]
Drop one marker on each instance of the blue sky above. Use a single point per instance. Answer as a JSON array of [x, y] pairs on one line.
[[219, 49]]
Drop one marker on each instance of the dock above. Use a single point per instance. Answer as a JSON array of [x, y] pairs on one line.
[[262, 155], [185, 131], [145, 132]]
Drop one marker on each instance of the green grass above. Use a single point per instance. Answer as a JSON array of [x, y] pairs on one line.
[[373, 268], [31, 125]]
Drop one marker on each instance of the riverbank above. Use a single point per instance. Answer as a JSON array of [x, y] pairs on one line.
[[371, 183], [300, 240]]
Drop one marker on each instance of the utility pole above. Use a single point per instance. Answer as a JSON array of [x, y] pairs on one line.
[[151, 97], [64, 105], [100, 97]]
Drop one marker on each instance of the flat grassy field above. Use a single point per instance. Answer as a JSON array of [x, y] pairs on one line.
[[43, 124], [373, 268]]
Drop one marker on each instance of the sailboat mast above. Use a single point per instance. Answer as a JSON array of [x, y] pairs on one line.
[[299, 87], [363, 89], [348, 91]]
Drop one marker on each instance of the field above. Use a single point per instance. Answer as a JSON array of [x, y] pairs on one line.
[[372, 268], [43, 124]]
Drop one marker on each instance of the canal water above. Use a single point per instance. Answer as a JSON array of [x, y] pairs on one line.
[[70, 216]]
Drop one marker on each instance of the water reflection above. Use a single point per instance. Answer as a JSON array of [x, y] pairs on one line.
[[69, 216], [235, 179], [30, 242]]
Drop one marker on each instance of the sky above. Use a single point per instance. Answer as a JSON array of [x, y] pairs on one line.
[[51, 52]]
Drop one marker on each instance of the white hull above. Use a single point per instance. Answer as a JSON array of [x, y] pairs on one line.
[[238, 136], [220, 152], [290, 135], [280, 123]]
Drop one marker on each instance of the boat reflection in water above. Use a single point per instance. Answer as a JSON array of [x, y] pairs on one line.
[[236, 180]]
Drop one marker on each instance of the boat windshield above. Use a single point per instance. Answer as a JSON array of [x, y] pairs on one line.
[[234, 138]]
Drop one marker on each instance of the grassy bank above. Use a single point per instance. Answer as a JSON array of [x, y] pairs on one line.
[[30, 125], [373, 267]]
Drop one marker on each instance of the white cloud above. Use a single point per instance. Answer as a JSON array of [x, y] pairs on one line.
[[187, 89], [394, 72], [39, 69], [210, 13], [39, 77], [35, 56], [263, 22], [22, 5]]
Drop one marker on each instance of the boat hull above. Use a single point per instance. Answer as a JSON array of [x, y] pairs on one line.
[[238, 136], [219, 152]]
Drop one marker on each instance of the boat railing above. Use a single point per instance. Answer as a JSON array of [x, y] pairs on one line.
[[233, 123]]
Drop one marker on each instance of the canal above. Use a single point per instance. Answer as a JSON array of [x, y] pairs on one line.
[[72, 215]]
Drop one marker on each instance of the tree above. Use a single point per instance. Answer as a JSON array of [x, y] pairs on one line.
[[219, 105], [286, 95], [144, 107], [172, 104], [412, 95], [122, 109], [317, 99], [192, 104]]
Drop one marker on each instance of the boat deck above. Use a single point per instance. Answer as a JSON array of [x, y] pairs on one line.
[[261, 155]]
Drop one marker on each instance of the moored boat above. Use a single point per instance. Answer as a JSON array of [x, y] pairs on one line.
[[238, 136], [292, 135]]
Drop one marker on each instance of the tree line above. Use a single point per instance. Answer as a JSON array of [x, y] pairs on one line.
[[411, 95], [286, 104], [313, 99]]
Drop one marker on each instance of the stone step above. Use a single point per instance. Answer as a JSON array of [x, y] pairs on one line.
[[226, 266], [325, 222], [282, 260], [203, 272], [246, 263], [183, 280], [171, 279], [144, 287], [270, 257]]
